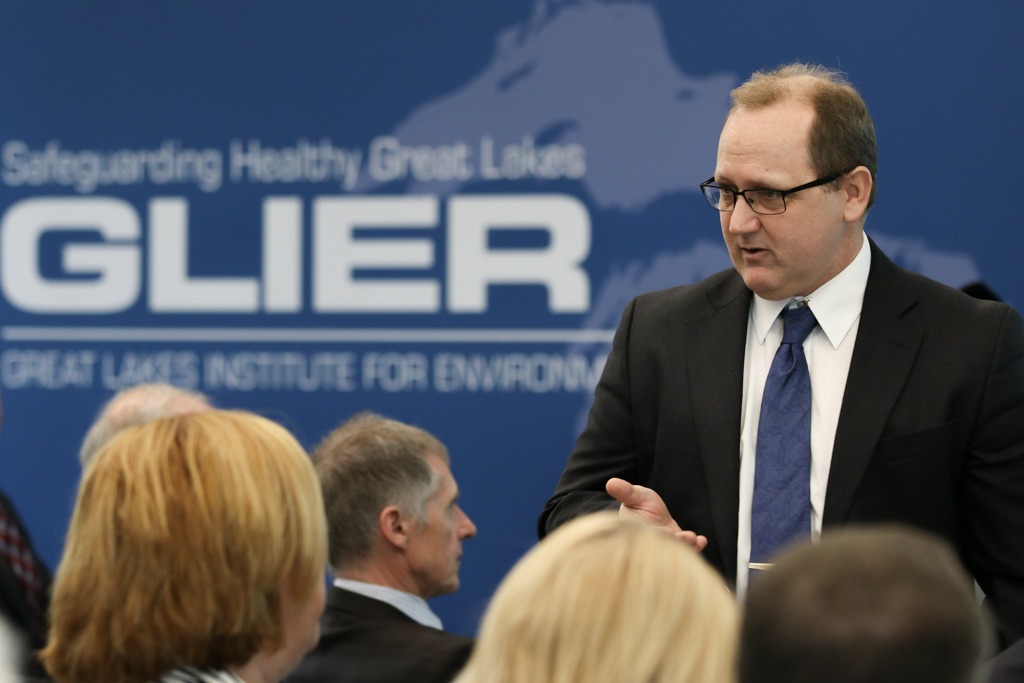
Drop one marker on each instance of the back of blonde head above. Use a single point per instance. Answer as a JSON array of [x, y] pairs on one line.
[[183, 532], [608, 600]]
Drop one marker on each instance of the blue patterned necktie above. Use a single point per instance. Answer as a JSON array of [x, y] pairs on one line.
[[781, 511]]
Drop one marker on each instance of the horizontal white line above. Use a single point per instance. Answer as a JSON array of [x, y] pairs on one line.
[[305, 335]]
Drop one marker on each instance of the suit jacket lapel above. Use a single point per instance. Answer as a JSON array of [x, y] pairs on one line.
[[717, 344], [887, 343]]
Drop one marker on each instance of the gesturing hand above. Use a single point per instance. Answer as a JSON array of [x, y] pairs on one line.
[[645, 504]]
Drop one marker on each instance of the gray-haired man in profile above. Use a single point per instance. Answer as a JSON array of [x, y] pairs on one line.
[[137, 405], [870, 605], [395, 540]]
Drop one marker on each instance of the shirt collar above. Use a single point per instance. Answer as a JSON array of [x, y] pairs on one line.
[[413, 606], [836, 304], [188, 674]]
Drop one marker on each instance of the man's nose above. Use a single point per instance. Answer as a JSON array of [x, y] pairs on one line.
[[742, 219], [466, 527]]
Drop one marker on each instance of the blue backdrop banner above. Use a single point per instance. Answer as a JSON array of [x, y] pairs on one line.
[[432, 210]]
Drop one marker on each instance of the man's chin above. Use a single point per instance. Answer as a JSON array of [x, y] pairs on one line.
[[445, 589], [759, 281]]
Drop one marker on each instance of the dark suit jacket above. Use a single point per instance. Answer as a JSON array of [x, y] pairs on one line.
[[13, 607], [931, 430], [363, 640]]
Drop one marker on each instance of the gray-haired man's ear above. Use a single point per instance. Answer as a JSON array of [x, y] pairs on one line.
[[394, 526]]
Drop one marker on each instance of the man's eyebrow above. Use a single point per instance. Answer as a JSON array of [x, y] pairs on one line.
[[764, 186], [758, 184]]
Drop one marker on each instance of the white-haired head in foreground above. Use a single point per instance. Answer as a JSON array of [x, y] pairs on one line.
[[137, 405], [608, 600]]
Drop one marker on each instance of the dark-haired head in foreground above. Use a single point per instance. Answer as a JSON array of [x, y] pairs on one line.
[[868, 605]]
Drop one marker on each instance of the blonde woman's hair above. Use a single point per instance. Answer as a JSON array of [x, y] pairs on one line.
[[183, 533], [607, 600]]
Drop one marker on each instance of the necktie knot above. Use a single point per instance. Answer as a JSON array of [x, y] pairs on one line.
[[797, 323]]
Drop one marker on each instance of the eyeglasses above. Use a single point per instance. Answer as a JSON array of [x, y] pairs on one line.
[[764, 202]]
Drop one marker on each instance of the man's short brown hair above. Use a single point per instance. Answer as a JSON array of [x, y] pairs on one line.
[[365, 465], [842, 135], [871, 605]]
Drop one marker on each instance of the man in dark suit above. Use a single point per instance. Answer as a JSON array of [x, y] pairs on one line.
[[395, 540], [24, 584], [910, 404]]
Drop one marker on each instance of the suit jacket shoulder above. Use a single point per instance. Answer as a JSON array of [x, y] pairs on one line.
[[898, 291], [687, 302], [363, 640]]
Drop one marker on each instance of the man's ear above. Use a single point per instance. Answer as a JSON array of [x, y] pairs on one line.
[[394, 526], [857, 187]]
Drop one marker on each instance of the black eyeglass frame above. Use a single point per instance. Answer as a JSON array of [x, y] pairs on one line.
[[784, 193]]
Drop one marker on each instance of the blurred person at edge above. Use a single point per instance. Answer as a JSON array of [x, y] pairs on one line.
[[10, 656], [137, 405], [882, 604], [1008, 667], [24, 586], [195, 554], [395, 535], [606, 599]]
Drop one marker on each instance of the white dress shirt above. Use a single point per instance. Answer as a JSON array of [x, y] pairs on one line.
[[413, 606], [829, 347]]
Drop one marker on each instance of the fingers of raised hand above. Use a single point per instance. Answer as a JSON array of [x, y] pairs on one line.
[[646, 504], [692, 539]]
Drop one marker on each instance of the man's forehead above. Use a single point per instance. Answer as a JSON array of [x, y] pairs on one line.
[[435, 461], [765, 143], [444, 473], [787, 120]]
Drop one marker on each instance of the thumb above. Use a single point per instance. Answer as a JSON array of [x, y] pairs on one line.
[[626, 493]]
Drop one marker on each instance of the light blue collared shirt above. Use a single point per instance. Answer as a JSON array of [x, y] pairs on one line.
[[413, 606]]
